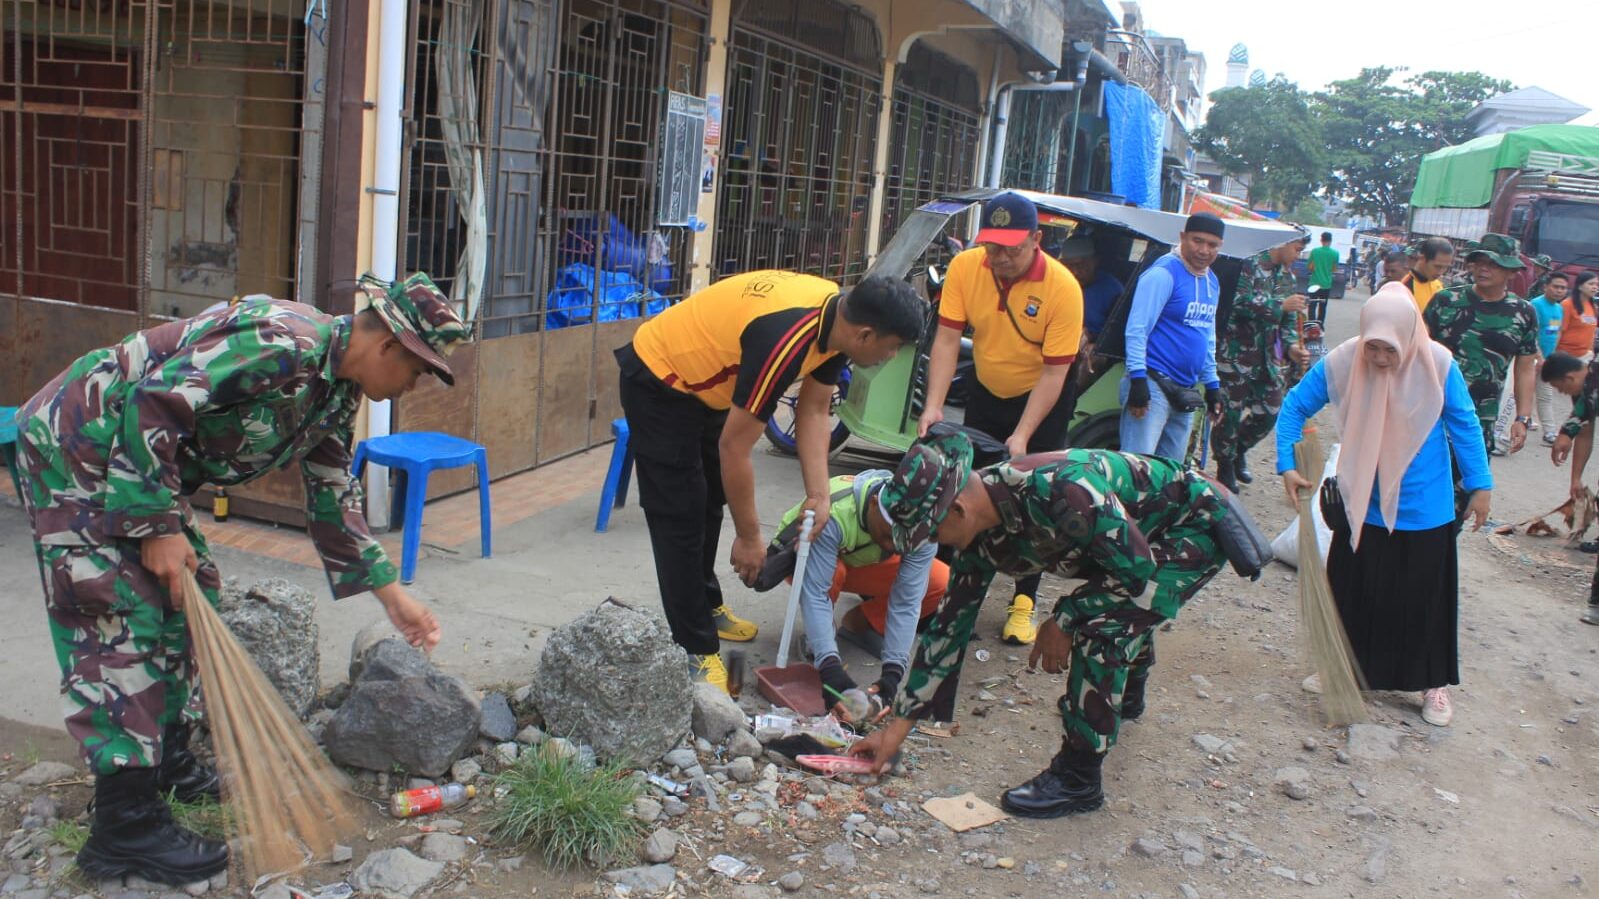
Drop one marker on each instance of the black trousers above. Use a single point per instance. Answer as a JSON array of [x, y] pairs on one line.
[[1316, 304], [674, 438], [998, 416]]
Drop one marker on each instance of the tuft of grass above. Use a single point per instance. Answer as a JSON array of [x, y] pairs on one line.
[[570, 813], [69, 835], [206, 818]]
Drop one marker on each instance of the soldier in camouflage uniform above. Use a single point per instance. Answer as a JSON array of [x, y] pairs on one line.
[[1487, 329], [109, 453], [1133, 532], [1262, 336], [1580, 381]]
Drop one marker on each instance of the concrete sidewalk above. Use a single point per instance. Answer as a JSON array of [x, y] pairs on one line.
[[549, 566]]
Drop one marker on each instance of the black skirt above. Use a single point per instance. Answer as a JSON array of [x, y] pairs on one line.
[[1398, 597]]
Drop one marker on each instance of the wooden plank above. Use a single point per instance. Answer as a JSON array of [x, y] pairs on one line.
[[48, 337], [564, 391], [508, 402], [434, 407], [607, 398]]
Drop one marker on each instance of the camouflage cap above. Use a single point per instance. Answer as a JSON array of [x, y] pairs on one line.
[[924, 486], [1500, 249], [1543, 261], [421, 316]]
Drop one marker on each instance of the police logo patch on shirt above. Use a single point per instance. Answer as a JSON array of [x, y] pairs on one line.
[[1032, 307]]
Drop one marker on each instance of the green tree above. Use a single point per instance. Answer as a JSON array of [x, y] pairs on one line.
[[1268, 134], [1309, 212], [1376, 130]]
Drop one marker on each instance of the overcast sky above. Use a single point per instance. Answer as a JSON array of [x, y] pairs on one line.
[[1539, 43]]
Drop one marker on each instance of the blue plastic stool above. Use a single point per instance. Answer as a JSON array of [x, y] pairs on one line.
[[8, 444], [418, 454], [614, 494]]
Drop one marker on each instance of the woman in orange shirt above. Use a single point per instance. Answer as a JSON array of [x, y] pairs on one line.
[[1580, 321]]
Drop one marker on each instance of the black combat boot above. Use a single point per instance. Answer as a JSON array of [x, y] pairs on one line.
[[1242, 469], [1133, 697], [1226, 473], [181, 772], [1069, 786], [132, 832]]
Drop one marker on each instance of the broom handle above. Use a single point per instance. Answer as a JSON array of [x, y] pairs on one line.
[[800, 558]]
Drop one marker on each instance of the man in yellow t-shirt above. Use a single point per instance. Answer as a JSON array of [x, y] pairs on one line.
[[699, 382], [1025, 310], [1433, 257]]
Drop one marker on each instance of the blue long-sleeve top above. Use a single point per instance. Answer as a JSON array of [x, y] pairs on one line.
[[1172, 325], [1427, 494]]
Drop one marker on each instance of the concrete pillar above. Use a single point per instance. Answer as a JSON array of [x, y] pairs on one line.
[[721, 31], [885, 139]]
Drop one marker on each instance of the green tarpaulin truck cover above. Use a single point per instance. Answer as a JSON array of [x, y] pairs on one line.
[[1463, 176]]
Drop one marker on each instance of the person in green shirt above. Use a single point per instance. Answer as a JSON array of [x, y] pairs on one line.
[[1323, 263], [853, 550]]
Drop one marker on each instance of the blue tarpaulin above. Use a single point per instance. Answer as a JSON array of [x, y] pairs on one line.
[[574, 302], [1137, 126]]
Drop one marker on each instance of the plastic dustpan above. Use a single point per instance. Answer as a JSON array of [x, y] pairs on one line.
[[797, 686]]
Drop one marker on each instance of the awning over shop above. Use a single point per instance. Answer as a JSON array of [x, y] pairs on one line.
[[1038, 30]]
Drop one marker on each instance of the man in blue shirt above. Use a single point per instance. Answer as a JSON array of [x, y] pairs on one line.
[[1547, 306], [1171, 340], [1101, 290]]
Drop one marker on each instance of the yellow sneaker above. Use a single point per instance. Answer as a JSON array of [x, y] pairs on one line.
[[711, 670], [1019, 629], [731, 627]]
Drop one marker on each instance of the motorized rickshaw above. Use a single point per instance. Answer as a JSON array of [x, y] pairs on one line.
[[882, 405]]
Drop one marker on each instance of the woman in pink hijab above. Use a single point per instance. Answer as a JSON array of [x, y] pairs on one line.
[[1402, 409]]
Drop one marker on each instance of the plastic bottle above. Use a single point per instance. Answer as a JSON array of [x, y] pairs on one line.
[[219, 505], [427, 800]]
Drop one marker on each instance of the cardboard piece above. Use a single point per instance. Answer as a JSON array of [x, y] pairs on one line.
[[964, 812]]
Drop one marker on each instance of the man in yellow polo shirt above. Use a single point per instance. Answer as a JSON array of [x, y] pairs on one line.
[[1025, 310], [699, 382], [1433, 258]]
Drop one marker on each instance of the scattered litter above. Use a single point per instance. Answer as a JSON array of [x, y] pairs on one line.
[[1447, 796], [939, 730], [964, 812], [983, 655], [736, 869], [669, 785], [837, 764]]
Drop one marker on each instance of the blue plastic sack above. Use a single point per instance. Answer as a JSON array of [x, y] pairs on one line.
[[619, 296]]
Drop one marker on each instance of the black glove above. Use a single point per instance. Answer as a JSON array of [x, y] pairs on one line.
[[1213, 400], [1138, 393]]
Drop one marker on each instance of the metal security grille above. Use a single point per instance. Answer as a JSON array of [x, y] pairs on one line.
[[799, 140], [225, 141], [936, 131], [72, 107], [1036, 141], [530, 195], [167, 130]]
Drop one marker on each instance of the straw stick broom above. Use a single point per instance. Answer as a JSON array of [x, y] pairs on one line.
[[1330, 652], [290, 803]]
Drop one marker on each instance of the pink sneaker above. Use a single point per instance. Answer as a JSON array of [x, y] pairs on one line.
[[1436, 708]]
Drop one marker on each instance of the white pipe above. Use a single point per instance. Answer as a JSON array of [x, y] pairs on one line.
[[986, 140], [386, 214], [1002, 121]]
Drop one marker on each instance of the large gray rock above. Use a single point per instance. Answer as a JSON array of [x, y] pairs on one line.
[[394, 874], [499, 722], [403, 712], [46, 772], [275, 622], [613, 679], [715, 713]]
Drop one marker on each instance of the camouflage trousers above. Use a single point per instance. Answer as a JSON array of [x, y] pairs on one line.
[[1249, 411], [1113, 638], [126, 666]]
